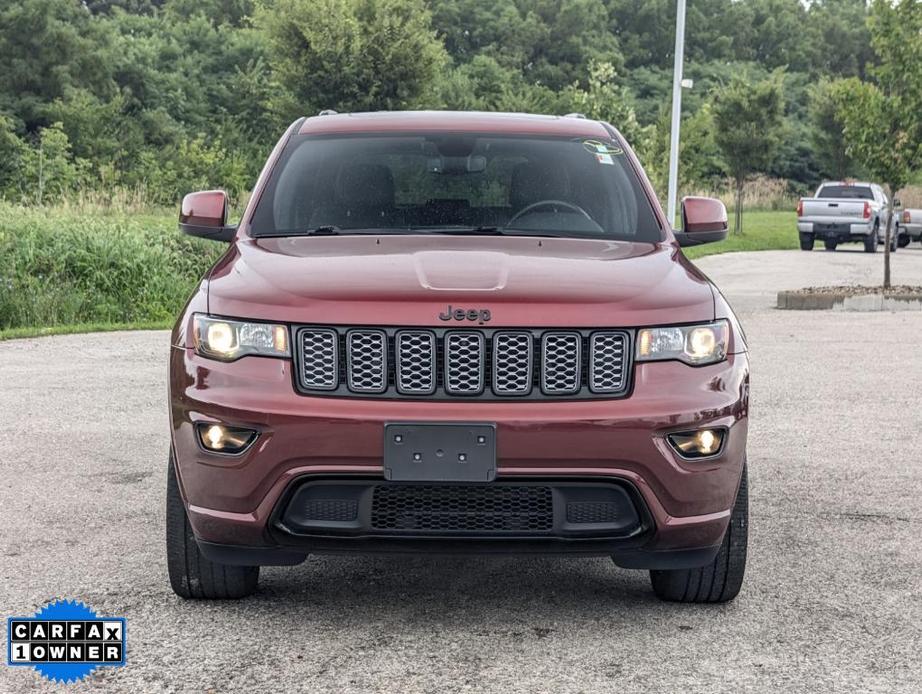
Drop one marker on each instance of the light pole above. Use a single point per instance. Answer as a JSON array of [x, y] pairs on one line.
[[676, 110]]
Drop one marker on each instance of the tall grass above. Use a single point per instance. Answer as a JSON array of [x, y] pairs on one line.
[[761, 193], [89, 263], [76, 264]]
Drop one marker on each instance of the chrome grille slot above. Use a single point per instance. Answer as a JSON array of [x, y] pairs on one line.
[[319, 358], [606, 362], [464, 363], [512, 363], [561, 363], [366, 355], [415, 354]]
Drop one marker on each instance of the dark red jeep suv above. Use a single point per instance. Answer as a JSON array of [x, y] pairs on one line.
[[456, 332]]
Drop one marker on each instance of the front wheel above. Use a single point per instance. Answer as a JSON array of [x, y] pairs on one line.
[[721, 580], [192, 575], [903, 241]]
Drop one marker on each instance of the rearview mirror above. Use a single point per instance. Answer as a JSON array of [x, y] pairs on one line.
[[704, 220], [204, 214]]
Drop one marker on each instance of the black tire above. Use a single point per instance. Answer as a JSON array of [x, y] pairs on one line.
[[870, 242], [806, 242], [903, 240], [721, 580], [830, 244], [191, 574]]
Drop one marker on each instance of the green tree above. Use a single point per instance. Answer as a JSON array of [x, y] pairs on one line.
[[883, 118], [49, 168], [827, 134], [700, 164], [351, 55], [604, 99], [12, 149], [749, 122], [47, 47]]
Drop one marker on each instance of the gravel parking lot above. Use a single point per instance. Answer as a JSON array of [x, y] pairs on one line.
[[832, 601]]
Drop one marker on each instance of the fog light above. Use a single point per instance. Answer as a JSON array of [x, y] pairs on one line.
[[703, 443], [224, 439]]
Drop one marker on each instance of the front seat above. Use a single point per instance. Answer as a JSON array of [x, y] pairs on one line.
[[365, 196]]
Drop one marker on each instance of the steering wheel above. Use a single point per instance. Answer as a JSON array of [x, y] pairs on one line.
[[528, 209]]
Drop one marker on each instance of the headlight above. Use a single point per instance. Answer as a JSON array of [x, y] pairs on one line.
[[226, 340], [693, 344]]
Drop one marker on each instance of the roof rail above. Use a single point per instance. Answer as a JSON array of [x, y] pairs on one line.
[[575, 115], [328, 112]]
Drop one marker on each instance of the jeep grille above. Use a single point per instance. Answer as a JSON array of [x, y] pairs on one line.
[[448, 363]]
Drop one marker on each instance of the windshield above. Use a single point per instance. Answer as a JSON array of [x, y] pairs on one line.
[[846, 192], [454, 182]]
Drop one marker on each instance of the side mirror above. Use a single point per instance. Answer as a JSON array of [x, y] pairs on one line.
[[204, 214], [704, 220], [897, 202]]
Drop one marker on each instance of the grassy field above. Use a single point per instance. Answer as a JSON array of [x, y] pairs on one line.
[[65, 270], [72, 267], [762, 231]]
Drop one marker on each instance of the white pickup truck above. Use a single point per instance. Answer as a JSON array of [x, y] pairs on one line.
[[843, 211], [909, 225]]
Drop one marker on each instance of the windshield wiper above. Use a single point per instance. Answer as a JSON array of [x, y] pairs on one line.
[[461, 231], [324, 230]]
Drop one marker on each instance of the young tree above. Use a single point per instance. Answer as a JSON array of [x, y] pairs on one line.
[[749, 123], [699, 158], [49, 167], [883, 119], [605, 99]]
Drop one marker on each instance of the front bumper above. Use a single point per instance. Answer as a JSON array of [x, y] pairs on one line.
[[234, 502]]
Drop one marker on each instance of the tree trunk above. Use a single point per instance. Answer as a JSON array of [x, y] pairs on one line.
[[887, 239], [738, 212]]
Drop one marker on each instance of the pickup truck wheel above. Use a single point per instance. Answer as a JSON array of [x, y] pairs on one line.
[[721, 580], [830, 244], [806, 242], [903, 241], [191, 574]]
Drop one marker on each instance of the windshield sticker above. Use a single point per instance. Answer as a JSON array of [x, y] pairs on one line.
[[605, 159], [597, 147]]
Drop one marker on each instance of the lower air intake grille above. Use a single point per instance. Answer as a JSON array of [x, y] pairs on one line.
[[592, 512], [471, 509], [336, 510]]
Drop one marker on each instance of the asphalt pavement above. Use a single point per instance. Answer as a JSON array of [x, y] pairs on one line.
[[832, 600]]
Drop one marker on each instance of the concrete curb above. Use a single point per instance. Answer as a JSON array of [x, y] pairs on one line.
[[822, 301]]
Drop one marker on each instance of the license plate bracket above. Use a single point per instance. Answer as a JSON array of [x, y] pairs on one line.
[[429, 452]]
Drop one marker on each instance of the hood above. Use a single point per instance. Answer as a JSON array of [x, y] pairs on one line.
[[413, 279]]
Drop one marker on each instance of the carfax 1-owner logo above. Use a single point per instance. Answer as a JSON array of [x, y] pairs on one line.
[[66, 641]]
